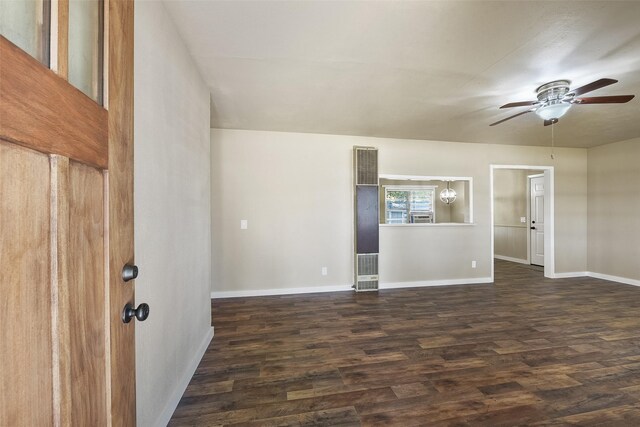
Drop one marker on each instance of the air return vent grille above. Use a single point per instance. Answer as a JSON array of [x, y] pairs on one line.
[[368, 264], [366, 166], [367, 286], [366, 272]]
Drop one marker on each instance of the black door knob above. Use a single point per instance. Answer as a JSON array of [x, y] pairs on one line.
[[129, 272], [141, 313], [533, 228]]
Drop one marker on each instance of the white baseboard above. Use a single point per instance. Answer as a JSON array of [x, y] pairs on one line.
[[508, 258], [618, 279], [444, 282], [570, 274], [280, 291], [344, 288], [418, 284], [167, 413]]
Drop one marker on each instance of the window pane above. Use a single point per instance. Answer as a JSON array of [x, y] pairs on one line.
[[397, 199], [26, 24], [396, 217], [421, 200], [85, 47], [396, 204]]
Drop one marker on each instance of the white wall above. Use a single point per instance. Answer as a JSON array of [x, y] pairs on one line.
[[614, 210], [172, 222], [295, 191]]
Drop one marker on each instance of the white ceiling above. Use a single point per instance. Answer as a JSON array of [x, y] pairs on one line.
[[433, 70]]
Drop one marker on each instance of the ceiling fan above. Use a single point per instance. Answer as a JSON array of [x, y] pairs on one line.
[[555, 98]]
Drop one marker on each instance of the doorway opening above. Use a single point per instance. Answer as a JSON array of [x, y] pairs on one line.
[[522, 220]]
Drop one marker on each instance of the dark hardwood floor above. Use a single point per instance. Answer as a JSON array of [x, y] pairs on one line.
[[524, 351]]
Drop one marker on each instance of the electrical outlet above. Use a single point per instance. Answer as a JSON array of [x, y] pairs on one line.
[[324, 271], [244, 224], [473, 264]]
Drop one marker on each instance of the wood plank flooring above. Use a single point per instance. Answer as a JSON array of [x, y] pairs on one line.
[[524, 351]]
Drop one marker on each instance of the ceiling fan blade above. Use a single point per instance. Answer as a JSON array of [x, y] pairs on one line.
[[593, 86], [550, 122], [520, 104], [620, 99], [510, 117]]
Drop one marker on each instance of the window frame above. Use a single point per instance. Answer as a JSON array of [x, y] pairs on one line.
[[407, 212]]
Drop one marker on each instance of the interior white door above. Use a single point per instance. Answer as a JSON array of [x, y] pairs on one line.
[[536, 219]]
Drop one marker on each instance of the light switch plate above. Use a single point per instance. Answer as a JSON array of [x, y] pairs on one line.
[[523, 219], [324, 271], [244, 224]]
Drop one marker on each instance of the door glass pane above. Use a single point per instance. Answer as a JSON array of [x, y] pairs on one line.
[[85, 47], [25, 23]]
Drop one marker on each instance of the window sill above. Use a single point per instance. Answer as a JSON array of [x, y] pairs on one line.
[[438, 224]]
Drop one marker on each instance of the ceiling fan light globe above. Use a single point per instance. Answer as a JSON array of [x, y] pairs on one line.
[[553, 110]]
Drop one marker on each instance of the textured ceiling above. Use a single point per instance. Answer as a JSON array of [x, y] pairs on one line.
[[433, 70]]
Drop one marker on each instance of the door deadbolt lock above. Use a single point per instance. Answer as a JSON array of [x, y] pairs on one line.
[[129, 272], [141, 313]]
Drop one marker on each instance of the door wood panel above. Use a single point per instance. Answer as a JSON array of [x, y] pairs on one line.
[[25, 294], [87, 334], [40, 110]]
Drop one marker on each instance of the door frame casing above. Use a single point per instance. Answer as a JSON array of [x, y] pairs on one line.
[[549, 210]]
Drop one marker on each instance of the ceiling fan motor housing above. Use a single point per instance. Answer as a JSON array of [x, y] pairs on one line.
[[553, 91]]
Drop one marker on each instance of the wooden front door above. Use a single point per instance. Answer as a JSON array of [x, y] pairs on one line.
[[66, 232]]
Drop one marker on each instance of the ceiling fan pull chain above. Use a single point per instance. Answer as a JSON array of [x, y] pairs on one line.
[[553, 143]]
